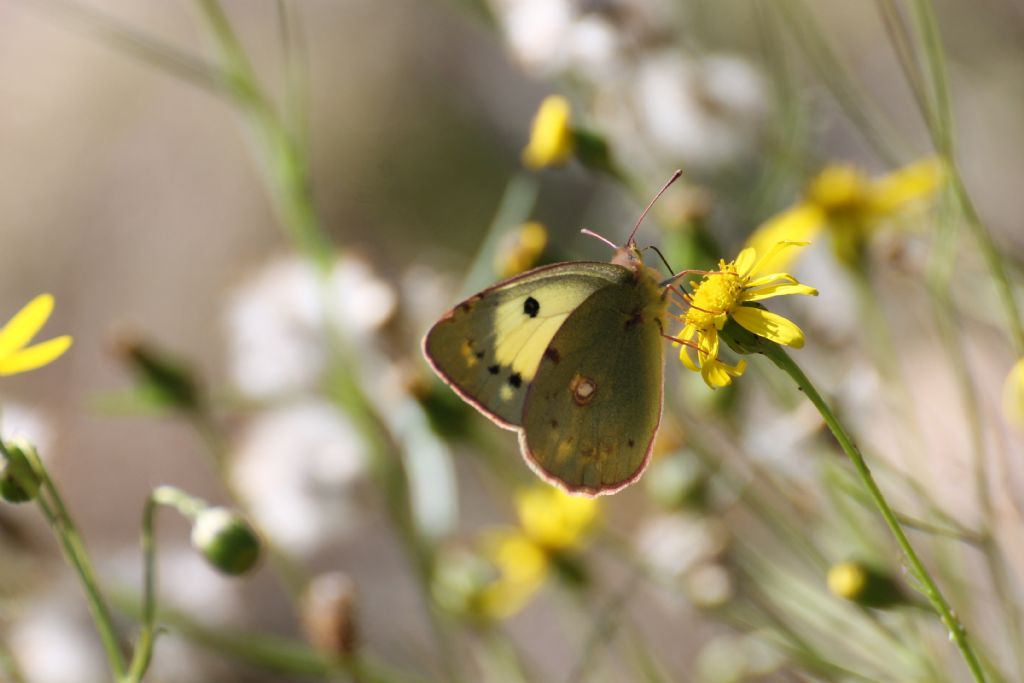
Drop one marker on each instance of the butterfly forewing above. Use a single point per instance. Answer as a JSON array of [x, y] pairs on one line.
[[490, 346], [594, 406]]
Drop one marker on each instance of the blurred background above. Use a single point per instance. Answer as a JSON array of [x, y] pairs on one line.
[[143, 193]]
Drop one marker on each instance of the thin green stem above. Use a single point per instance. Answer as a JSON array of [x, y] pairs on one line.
[[189, 507], [286, 165], [52, 505], [957, 633]]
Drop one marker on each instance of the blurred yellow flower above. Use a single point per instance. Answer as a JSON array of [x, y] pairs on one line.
[[720, 295], [551, 137], [1013, 394], [15, 354], [847, 580], [850, 205], [521, 250], [551, 523]]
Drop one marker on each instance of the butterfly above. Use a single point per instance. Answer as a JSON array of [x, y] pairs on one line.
[[568, 355]]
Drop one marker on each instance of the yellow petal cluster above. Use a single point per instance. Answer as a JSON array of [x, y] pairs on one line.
[[551, 139], [551, 522], [15, 353], [721, 295], [848, 204]]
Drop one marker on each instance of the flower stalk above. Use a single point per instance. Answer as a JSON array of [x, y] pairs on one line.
[[957, 632]]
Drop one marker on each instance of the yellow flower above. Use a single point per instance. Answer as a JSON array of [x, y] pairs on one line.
[[553, 519], [721, 295], [847, 580], [551, 137], [15, 354], [850, 205], [551, 524], [521, 249], [1013, 394]]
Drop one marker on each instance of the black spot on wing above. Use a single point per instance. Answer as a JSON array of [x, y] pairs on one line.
[[531, 307], [552, 354], [631, 443], [494, 369], [515, 379]]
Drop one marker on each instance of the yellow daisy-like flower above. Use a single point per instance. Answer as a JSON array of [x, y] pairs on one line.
[[721, 295], [15, 354], [551, 137], [551, 524], [851, 206]]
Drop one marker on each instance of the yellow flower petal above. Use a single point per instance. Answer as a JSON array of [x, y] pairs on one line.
[[745, 262], [769, 325], [522, 568], [915, 182], [802, 223], [25, 324], [553, 519], [773, 279], [718, 374], [774, 256], [684, 351], [1013, 395], [551, 140], [34, 356], [781, 289]]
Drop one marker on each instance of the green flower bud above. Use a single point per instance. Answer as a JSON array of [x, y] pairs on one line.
[[865, 585], [226, 540], [165, 380], [18, 482]]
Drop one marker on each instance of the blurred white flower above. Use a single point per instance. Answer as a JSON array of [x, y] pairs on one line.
[[536, 31], [20, 421], [699, 111], [709, 585], [54, 641], [734, 658], [186, 583], [298, 467], [278, 334], [673, 544]]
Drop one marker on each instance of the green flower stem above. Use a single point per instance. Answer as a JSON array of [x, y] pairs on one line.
[[287, 178], [56, 514], [268, 652], [285, 158], [189, 507], [957, 633]]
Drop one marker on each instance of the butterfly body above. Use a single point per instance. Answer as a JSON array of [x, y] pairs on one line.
[[570, 356]]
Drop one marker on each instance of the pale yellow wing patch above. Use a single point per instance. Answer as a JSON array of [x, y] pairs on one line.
[[490, 346]]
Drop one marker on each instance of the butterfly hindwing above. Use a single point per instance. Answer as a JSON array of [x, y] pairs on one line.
[[595, 403], [488, 348]]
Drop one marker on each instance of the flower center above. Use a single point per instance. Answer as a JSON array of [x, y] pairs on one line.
[[714, 298]]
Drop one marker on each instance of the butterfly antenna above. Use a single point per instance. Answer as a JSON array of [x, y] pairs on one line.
[[662, 257], [603, 239], [675, 177]]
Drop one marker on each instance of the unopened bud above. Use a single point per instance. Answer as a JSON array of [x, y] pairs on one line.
[[329, 614], [226, 540], [865, 585], [167, 380], [18, 481]]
